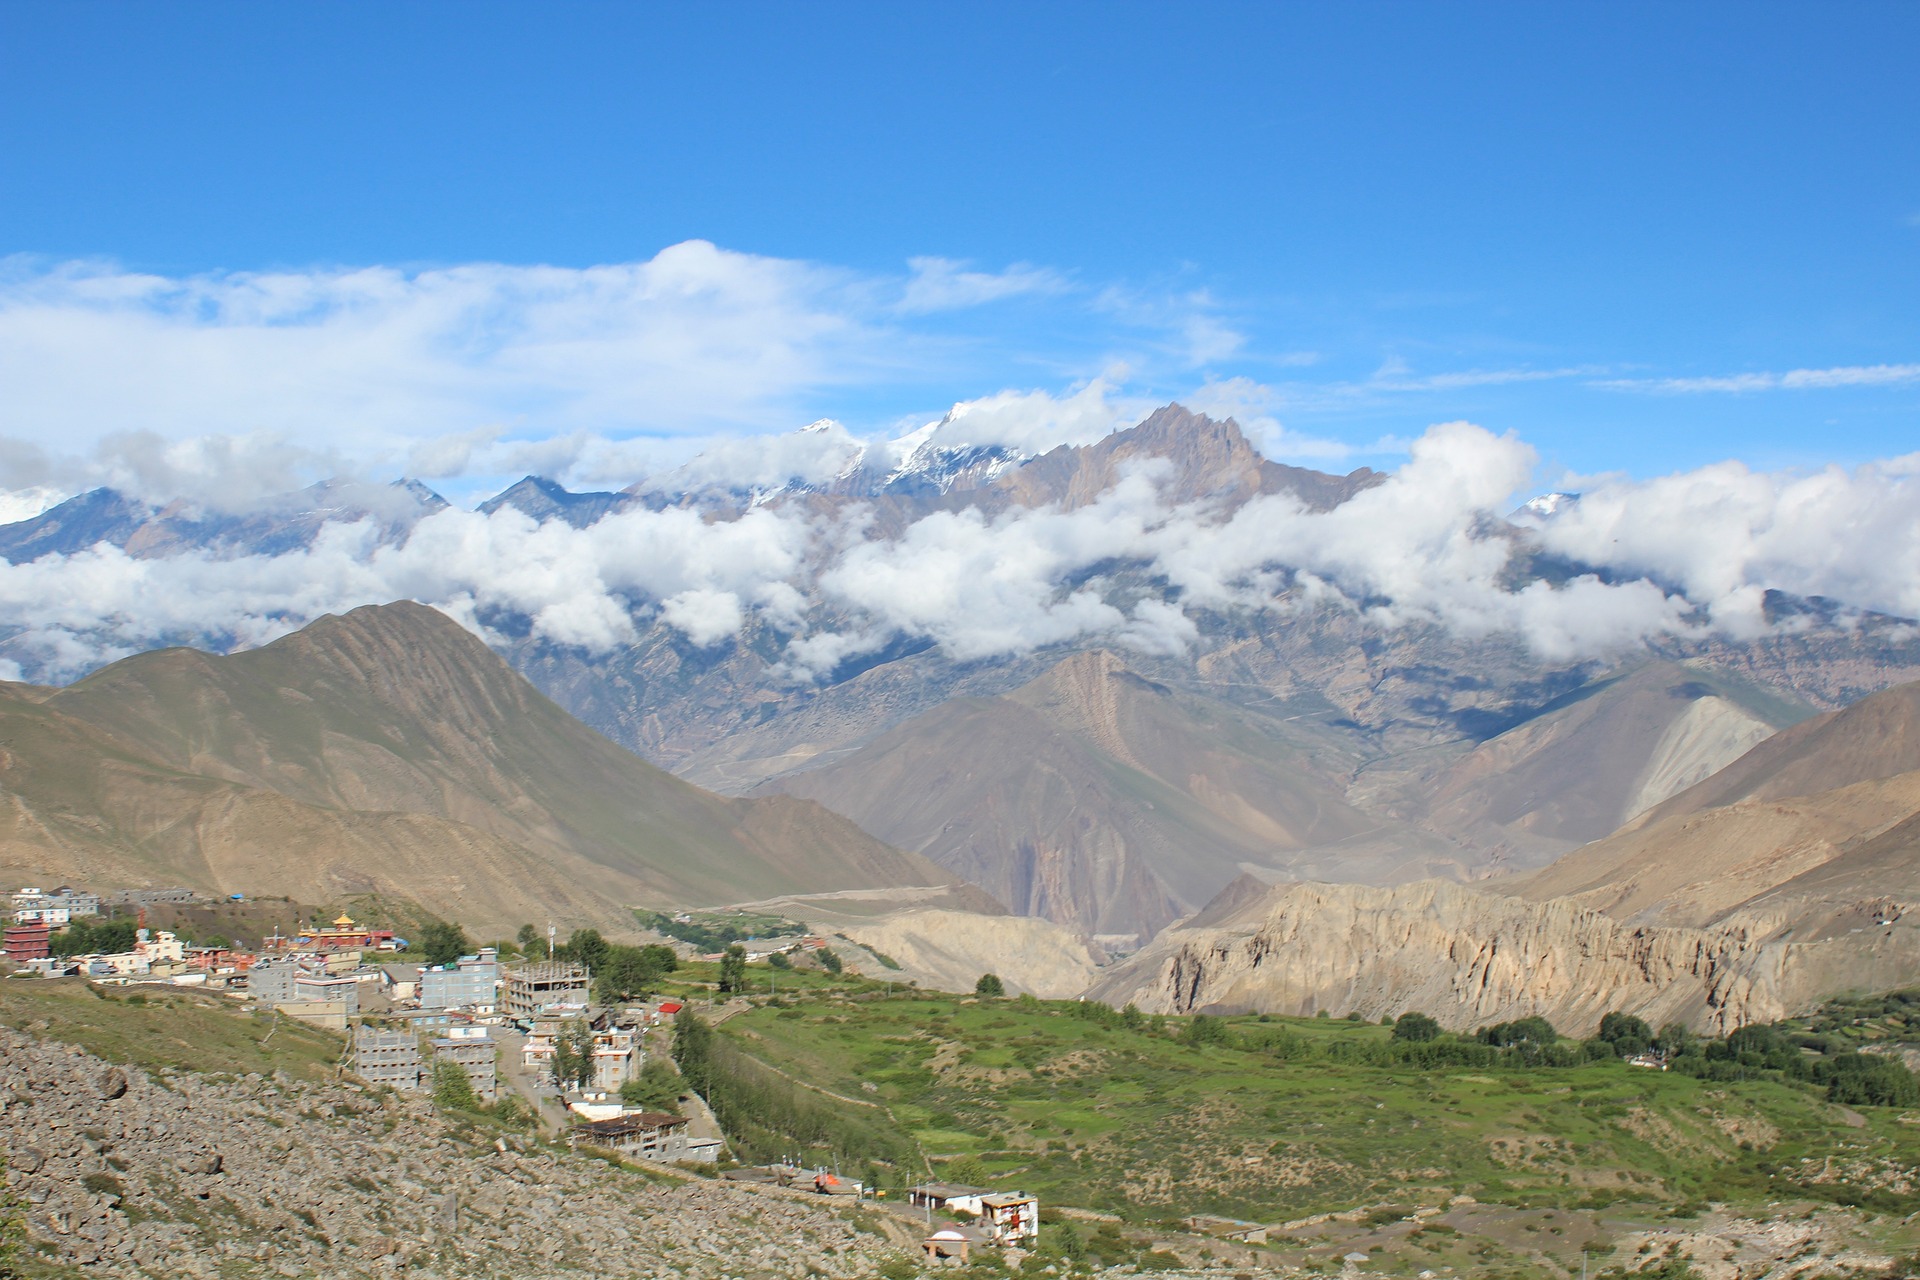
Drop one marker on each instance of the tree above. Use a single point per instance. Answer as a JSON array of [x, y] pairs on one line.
[[627, 972], [444, 942], [106, 937], [1675, 1039], [733, 970], [989, 985], [829, 960], [779, 960], [1627, 1034], [657, 1088], [589, 948], [452, 1090], [1416, 1027], [693, 1051], [1202, 1029], [528, 937], [573, 1055]]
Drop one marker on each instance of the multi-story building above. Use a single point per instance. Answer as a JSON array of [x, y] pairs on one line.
[[471, 1049], [391, 1058], [147, 897], [29, 941], [284, 980], [471, 982], [545, 986], [56, 908], [616, 1058]]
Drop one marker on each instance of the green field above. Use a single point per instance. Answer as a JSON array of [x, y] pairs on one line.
[[1278, 1122]]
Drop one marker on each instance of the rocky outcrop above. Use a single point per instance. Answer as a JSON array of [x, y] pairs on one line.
[[180, 1175], [1469, 957]]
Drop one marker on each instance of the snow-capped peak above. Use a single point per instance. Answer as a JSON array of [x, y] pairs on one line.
[[1545, 507]]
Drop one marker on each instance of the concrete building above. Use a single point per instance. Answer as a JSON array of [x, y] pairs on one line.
[[643, 1135], [544, 986], [400, 981], [1010, 1219], [391, 1058], [948, 1197], [616, 1058], [56, 907], [471, 982], [471, 1049], [147, 897], [284, 980]]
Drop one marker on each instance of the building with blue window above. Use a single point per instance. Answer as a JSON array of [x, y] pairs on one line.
[[471, 982]]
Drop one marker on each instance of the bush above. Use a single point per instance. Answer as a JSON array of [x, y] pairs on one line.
[[989, 985], [452, 1091], [444, 942], [1416, 1027]]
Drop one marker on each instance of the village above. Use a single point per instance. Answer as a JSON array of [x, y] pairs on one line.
[[526, 1028]]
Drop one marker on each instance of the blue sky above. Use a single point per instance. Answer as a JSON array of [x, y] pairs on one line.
[[1641, 237]]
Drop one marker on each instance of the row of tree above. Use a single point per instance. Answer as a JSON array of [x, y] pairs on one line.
[[766, 1115]]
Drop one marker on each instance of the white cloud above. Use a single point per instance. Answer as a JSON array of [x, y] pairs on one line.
[[1858, 375], [942, 284], [1689, 551], [695, 339]]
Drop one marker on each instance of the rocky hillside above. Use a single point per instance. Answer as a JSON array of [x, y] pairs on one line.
[[129, 1174], [387, 751], [1470, 957], [1743, 898]]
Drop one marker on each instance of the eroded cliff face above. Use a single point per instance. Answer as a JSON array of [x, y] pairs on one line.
[[949, 950], [1469, 957]]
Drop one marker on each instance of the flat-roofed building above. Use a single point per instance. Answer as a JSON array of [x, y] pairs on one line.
[[391, 1058], [470, 1049], [471, 982], [547, 984], [29, 941]]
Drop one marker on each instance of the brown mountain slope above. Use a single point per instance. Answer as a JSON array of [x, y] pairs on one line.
[[1598, 757], [1876, 737], [387, 750], [1101, 800], [1716, 915], [1812, 797]]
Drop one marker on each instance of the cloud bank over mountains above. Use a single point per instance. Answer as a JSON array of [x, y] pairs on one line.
[[223, 392], [1684, 555]]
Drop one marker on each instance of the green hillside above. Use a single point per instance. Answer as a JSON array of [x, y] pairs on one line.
[[1273, 1119]]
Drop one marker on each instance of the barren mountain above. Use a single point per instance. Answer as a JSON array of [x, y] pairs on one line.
[[1715, 913], [1101, 800], [386, 751], [282, 523]]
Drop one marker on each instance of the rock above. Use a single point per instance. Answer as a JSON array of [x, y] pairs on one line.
[[26, 1159], [112, 1083]]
